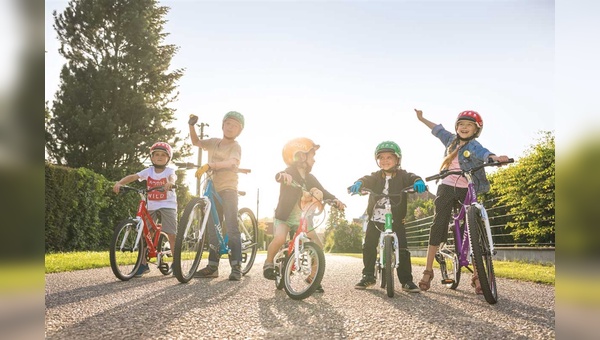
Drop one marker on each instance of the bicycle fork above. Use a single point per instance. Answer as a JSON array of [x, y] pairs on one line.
[[488, 228], [381, 260]]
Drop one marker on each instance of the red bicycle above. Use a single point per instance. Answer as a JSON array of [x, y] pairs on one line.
[[134, 235]]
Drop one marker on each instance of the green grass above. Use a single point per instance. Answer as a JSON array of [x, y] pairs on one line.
[[66, 262], [522, 271]]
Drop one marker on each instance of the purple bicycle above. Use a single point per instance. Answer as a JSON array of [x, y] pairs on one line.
[[472, 241]]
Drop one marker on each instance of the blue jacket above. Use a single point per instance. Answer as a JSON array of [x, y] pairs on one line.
[[477, 155]]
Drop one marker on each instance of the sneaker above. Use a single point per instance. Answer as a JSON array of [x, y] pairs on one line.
[[143, 269], [208, 271], [236, 273], [269, 273], [366, 281], [319, 289], [411, 287]]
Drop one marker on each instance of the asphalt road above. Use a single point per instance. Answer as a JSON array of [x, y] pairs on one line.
[[93, 304]]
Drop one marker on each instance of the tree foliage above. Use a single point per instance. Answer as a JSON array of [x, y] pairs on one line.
[[116, 87], [527, 189], [341, 236]]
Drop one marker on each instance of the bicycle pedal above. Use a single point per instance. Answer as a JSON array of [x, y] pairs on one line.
[[447, 281]]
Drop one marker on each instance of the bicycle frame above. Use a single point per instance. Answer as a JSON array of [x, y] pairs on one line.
[[462, 242], [144, 220], [387, 232]]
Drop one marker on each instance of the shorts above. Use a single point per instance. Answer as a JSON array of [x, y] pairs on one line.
[[168, 219], [293, 220]]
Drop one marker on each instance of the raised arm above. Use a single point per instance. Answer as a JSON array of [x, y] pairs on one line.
[[420, 117]]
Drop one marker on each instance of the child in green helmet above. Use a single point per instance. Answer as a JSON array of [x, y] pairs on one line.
[[223, 153], [389, 179]]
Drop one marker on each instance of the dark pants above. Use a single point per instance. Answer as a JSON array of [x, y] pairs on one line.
[[370, 249], [446, 198]]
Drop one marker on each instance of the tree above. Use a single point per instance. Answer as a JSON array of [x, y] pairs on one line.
[[112, 104], [527, 189], [341, 236]]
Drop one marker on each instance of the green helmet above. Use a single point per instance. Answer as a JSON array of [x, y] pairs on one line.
[[235, 116], [388, 146]]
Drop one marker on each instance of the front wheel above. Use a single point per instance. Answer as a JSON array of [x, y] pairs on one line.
[[125, 253], [300, 282], [482, 255], [389, 264], [190, 241], [249, 235]]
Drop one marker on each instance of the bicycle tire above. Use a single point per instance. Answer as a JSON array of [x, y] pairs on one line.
[[297, 282], [125, 261], [449, 268], [249, 235], [482, 256], [389, 264], [190, 241], [165, 266]]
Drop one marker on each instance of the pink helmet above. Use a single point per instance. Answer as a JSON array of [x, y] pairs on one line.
[[473, 116], [162, 146]]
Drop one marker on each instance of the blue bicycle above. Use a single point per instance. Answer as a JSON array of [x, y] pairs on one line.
[[192, 236]]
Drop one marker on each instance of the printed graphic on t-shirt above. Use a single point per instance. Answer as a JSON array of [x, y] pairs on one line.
[[156, 195]]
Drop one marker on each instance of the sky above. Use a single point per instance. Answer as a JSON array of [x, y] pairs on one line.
[[348, 74]]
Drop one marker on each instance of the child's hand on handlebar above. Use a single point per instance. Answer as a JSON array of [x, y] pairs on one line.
[[201, 170], [501, 159], [355, 188], [284, 178], [419, 186], [339, 204]]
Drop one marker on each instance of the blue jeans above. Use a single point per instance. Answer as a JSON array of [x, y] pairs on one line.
[[227, 212]]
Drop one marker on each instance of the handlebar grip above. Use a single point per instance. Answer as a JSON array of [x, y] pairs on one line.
[[431, 178]]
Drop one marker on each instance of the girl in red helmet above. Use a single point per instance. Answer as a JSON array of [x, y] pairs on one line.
[[163, 203], [463, 151]]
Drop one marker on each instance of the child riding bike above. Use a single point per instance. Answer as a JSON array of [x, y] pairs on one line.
[[163, 203], [223, 153], [299, 155], [390, 179], [464, 152]]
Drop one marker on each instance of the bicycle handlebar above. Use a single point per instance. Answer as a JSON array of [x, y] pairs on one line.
[[445, 173], [364, 191], [144, 190], [188, 166]]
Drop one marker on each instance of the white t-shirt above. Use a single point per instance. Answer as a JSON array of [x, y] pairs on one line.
[[159, 199]]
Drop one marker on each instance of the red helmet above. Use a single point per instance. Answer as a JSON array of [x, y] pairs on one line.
[[162, 146], [473, 116]]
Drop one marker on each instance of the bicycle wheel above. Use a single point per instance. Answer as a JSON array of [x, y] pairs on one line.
[[300, 282], [482, 255], [190, 241], [249, 233], [449, 267], [389, 264], [165, 264], [125, 254]]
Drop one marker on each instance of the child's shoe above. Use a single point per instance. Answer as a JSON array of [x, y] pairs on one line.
[[236, 273], [208, 271], [143, 269]]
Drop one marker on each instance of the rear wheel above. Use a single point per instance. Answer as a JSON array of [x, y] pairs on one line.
[[482, 255], [190, 242], [449, 267], [300, 282], [164, 250], [125, 253], [388, 265], [279, 267], [249, 234]]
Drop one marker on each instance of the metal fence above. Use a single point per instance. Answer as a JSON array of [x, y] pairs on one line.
[[417, 233]]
